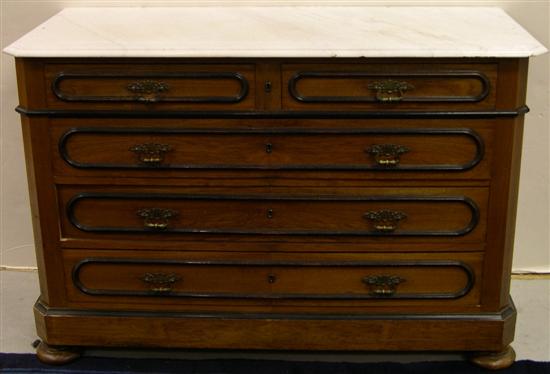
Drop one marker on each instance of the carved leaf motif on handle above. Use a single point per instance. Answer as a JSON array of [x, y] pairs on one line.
[[385, 220], [383, 285], [147, 90], [387, 155], [390, 90], [160, 282], [151, 154], [156, 218]]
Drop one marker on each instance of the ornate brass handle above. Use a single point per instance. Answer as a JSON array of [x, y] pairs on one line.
[[390, 90], [160, 282], [385, 220], [383, 285], [156, 218], [387, 155], [151, 153], [147, 89]]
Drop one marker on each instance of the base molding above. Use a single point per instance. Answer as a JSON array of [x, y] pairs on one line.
[[365, 332]]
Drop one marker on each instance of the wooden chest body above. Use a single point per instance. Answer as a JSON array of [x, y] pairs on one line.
[[315, 204]]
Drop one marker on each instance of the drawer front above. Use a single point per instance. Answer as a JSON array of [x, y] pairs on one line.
[[388, 87], [154, 86], [417, 277], [390, 213], [274, 280], [377, 149]]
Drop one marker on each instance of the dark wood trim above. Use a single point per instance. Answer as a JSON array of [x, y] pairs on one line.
[[269, 114]]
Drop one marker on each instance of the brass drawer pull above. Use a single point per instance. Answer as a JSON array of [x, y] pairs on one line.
[[151, 153], [390, 90], [156, 218], [160, 282], [385, 220], [147, 90], [382, 285], [387, 155]]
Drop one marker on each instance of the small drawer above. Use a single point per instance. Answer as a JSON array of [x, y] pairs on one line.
[[400, 214], [390, 150], [389, 87], [329, 278], [150, 87]]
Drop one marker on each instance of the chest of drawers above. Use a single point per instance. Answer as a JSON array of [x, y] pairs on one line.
[[274, 202]]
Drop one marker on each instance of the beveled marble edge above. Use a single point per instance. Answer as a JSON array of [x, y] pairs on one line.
[[152, 53], [265, 32]]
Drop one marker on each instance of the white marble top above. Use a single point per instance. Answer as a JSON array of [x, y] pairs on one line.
[[319, 31]]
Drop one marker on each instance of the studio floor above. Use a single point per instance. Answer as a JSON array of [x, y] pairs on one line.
[[19, 291]]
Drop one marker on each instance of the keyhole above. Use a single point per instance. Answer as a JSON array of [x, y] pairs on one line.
[[268, 148], [269, 213], [267, 86], [271, 278]]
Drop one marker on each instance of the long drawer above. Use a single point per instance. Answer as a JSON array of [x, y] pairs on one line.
[[271, 280], [158, 214], [411, 150], [457, 149]]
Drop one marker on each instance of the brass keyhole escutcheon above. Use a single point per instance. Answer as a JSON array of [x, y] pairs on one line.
[[271, 278], [269, 213], [268, 148]]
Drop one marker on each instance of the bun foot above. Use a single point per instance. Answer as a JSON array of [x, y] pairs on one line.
[[494, 360], [56, 355]]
